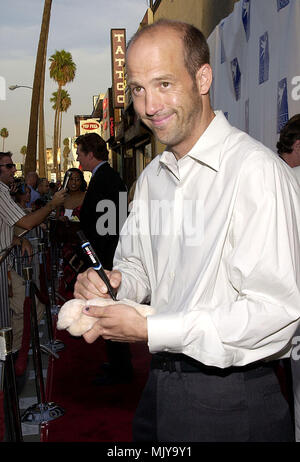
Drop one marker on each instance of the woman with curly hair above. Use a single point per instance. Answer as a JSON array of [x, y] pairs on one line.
[[67, 226]]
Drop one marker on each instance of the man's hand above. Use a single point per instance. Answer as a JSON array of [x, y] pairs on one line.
[[16, 240], [90, 285], [13, 188], [119, 323], [26, 247], [58, 198], [64, 219]]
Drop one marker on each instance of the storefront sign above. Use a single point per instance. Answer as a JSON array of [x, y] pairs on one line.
[[89, 126], [108, 119], [118, 49]]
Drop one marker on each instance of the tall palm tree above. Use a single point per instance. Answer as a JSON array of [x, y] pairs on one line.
[[23, 151], [64, 106], [62, 70], [30, 161], [65, 103], [4, 134], [66, 151], [42, 141]]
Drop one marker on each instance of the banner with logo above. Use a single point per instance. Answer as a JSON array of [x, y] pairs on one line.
[[108, 118], [90, 126], [255, 56]]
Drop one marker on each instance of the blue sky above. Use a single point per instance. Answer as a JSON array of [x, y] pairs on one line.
[[80, 27]]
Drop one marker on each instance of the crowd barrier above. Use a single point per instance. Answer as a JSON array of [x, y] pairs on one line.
[[10, 420], [41, 276]]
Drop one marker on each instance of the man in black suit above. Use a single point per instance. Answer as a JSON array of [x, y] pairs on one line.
[[99, 219]]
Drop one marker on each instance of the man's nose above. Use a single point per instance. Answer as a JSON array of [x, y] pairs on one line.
[[153, 103]]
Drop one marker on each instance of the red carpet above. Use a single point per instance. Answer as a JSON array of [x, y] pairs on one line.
[[92, 413]]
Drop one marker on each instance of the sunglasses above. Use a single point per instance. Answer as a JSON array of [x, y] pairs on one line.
[[8, 165]]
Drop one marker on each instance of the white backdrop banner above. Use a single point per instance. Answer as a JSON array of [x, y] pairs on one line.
[[255, 56]]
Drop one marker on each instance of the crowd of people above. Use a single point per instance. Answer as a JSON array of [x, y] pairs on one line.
[[223, 278], [28, 202]]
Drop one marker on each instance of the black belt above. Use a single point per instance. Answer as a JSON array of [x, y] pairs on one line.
[[181, 363]]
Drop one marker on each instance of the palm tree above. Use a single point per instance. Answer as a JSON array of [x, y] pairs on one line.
[[42, 141], [64, 106], [4, 134], [30, 161], [23, 151], [65, 103], [62, 70], [66, 151]]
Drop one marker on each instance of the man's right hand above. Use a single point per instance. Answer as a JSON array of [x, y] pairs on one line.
[[58, 198], [90, 285]]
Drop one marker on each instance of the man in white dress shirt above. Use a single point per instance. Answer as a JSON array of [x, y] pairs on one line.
[[212, 244], [288, 147], [11, 215]]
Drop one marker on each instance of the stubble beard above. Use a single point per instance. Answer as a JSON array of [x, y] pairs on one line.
[[183, 128]]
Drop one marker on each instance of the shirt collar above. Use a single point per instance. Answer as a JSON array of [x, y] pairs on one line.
[[208, 148], [97, 166], [4, 186]]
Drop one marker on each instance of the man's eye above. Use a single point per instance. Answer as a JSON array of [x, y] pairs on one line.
[[165, 84], [136, 90]]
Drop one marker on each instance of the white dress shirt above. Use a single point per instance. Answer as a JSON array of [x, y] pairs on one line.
[[212, 242], [296, 173], [10, 213]]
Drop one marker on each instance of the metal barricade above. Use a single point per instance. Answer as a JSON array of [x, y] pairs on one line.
[[5, 318], [10, 412], [35, 236], [38, 239], [42, 411], [8, 390]]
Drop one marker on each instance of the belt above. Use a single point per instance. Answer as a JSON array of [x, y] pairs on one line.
[[170, 362]]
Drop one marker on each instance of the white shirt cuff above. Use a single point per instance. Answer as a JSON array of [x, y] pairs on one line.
[[165, 333]]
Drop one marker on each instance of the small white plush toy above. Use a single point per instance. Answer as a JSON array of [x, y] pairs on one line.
[[72, 318]]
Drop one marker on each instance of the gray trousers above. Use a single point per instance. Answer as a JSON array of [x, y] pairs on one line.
[[295, 368], [199, 407]]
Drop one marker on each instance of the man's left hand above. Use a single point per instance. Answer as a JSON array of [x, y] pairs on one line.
[[26, 247], [119, 323]]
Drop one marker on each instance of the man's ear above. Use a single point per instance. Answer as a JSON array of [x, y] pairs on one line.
[[296, 146], [204, 79]]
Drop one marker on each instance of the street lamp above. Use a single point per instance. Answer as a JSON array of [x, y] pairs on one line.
[[13, 87]]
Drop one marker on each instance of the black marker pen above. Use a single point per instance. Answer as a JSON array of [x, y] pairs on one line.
[[89, 251]]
